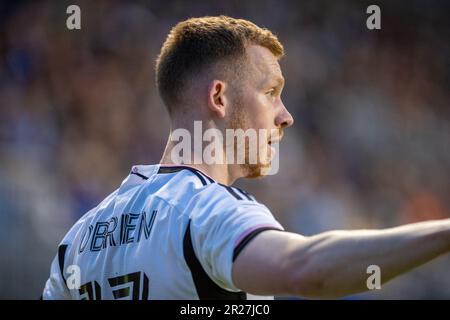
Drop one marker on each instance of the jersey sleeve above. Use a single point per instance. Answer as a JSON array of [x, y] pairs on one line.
[[55, 287], [219, 233]]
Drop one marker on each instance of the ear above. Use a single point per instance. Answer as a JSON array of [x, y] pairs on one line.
[[217, 100]]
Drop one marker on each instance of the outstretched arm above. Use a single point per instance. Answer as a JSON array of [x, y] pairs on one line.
[[334, 264]]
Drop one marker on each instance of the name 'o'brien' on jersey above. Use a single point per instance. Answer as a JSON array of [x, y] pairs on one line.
[[168, 232], [106, 233]]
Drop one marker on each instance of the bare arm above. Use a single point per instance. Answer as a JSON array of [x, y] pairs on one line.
[[334, 264]]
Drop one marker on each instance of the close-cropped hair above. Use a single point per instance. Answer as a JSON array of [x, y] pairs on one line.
[[216, 43]]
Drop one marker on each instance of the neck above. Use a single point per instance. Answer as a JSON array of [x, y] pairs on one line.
[[222, 173]]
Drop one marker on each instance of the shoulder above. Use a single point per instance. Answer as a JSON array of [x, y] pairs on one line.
[[186, 188], [227, 198], [82, 223], [223, 207]]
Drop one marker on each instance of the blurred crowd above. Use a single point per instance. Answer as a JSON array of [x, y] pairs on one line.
[[370, 147]]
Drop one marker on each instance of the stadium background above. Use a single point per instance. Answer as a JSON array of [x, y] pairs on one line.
[[370, 147]]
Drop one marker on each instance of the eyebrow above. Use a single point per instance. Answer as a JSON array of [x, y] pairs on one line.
[[273, 81], [278, 81]]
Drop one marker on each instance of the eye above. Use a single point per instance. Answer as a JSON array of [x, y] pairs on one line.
[[272, 92]]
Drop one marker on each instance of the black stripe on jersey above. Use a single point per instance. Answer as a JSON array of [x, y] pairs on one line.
[[245, 194], [139, 175], [206, 288], [231, 191], [169, 169], [248, 238], [61, 257], [204, 175], [199, 174]]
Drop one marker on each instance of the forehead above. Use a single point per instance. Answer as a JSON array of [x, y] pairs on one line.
[[265, 66]]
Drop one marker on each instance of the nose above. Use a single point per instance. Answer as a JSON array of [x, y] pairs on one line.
[[284, 119]]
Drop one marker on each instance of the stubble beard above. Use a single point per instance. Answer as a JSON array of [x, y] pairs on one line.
[[240, 119]]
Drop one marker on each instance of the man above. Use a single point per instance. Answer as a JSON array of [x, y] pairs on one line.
[[181, 231]]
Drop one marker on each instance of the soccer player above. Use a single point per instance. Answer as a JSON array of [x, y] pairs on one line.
[[182, 231]]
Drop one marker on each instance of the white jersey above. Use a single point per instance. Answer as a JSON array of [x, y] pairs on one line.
[[168, 232]]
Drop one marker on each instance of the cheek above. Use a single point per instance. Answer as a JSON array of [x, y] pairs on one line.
[[261, 112]]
